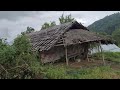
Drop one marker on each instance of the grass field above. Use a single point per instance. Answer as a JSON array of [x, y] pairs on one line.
[[61, 71]]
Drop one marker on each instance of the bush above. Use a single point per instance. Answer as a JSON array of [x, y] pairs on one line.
[[17, 60]]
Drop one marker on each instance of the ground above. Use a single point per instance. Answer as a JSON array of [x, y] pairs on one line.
[[83, 70], [89, 64]]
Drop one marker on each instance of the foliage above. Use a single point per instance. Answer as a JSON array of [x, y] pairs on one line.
[[17, 60], [29, 30], [62, 19], [108, 24], [21, 44], [7, 54], [116, 35], [63, 72], [65, 19], [47, 25], [111, 56]]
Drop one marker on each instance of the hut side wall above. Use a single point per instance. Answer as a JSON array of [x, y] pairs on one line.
[[52, 55], [58, 52]]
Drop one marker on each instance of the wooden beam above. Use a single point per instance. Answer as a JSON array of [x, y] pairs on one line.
[[102, 54], [59, 45], [65, 45], [66, 55], [98, 46]]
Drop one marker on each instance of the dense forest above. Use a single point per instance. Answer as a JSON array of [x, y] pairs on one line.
[[109, 25]]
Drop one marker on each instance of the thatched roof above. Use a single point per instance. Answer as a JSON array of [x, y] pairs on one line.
[[47, 38], [81, 36]]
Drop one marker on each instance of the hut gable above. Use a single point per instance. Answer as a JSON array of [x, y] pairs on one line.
[[47, 38]]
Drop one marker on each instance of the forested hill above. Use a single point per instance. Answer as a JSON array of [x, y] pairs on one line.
[[108, 24]]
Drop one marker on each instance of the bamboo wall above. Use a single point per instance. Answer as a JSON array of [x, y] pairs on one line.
[[56, 53]]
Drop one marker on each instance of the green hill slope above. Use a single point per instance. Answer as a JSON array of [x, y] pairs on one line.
[[108, 24]]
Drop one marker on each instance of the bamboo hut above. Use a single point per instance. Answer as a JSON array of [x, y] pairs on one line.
[[67, 40]]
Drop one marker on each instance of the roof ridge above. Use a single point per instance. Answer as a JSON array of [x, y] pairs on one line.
[[50, 28]]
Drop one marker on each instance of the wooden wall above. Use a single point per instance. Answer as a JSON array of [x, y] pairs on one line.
[[56, 53]]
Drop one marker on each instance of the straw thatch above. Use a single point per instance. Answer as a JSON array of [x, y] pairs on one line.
[[45, 39]]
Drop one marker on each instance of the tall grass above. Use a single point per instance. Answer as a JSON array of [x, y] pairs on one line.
[[111, 56], [103, 72]]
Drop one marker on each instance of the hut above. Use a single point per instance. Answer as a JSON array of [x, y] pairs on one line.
[[67, 40]]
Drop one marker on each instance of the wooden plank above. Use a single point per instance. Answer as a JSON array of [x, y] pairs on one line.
[[65, 52], [102, 54], [66, 55]]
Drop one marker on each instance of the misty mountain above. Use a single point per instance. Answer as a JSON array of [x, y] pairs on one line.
[[107, 24]]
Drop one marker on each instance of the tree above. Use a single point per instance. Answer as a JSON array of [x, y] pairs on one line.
[[47, 25], [21, 44], [65, 19], [108, 24], [116, 36], [62, 19], [29, 30]]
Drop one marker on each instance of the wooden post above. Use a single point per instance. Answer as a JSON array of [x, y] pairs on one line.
[[88, 58], [102, 53], [66, 56], [98, 49]]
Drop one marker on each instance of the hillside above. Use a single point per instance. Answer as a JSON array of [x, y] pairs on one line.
[[108, 24]]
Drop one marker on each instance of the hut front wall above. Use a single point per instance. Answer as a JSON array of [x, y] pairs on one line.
[[52, 55], [58, 52]]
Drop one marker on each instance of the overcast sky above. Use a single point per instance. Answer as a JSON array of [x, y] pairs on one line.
[[13, 23]]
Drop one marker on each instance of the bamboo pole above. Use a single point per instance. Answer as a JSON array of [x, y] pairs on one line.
[[98, 46], [102, 54], [88, 58], [66, 56], [87, 53]]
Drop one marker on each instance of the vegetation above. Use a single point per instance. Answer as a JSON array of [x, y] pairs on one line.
[[17, 61], [47, 25], [102, 72], [65, 19], [109, 26], [97, 72], [110, 56], [116, 35], [62, 19]]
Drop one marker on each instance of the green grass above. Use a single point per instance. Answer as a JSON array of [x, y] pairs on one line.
[[111, 56], [63, 72], [57, 71]]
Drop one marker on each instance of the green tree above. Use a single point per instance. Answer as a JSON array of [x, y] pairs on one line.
[[65, 19], [116, 36], [107, 24], [62, 19], [21, 44], [29, 30], [47, 25]]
